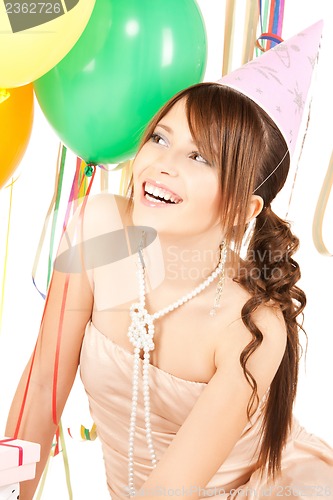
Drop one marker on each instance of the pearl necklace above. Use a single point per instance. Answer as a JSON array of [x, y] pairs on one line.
[[141, 335]]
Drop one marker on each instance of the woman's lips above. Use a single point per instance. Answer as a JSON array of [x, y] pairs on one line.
[[160, 185]]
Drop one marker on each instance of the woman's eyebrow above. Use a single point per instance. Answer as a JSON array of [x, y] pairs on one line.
[[170, 130], [166, 127]]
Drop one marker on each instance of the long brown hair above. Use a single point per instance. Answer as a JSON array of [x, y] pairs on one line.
[[238, 137]]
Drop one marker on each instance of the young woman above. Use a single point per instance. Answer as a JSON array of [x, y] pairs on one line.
[[188, 353]]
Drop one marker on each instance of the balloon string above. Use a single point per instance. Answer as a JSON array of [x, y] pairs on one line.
[[271, 30], [250, 29], [318, 218], [21, 412], [20, 416], [104, 180], [228, 36], [83, 181], [55, 450], [59, 434], [55, 202], [56, 211], [266, 16], [271, 20], [57, 355], [62, 313], [78, 188], [4, 275], [280, 18], [65, 461], [22, 408], [46, 223], [77, 184], [276, 16], [72, 196], [43, 479]]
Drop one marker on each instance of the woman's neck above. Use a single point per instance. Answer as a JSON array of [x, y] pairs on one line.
[[188, 261]]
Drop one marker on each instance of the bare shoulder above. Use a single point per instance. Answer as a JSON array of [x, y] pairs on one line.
[[105, 211], [266, 358], [96, 215]]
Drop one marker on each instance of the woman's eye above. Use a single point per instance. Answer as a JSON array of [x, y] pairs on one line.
[[158, 139], [197, 157]]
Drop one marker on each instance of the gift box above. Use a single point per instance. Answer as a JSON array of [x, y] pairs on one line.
[[10, 492], [18, 460]]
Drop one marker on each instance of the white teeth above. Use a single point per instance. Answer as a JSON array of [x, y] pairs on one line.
[[150, 198], [149, 188], [160, 193]]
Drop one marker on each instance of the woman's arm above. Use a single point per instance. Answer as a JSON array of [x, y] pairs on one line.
[[218, 418], [37, 422]]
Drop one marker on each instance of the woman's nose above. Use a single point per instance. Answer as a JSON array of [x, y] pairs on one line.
[[168, 163]]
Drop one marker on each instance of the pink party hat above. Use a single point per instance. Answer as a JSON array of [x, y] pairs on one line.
[[279, 80]]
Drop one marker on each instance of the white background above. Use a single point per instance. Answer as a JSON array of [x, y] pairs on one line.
[[31, 197]]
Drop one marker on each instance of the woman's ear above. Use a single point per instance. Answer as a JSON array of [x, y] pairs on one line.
[[255, 207]]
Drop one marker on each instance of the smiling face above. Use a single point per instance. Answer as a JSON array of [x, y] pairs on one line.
[[176, 191]]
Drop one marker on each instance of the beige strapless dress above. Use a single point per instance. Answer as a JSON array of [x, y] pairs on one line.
[[106, 372]]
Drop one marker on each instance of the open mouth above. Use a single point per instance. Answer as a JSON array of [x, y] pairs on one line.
[[160, 195]]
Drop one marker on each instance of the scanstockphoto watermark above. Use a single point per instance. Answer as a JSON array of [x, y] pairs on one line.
[[197, 264], [118, 244], [299, 491], [161, 491]]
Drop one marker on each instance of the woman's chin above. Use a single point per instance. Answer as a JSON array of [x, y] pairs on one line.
[[140, 218]]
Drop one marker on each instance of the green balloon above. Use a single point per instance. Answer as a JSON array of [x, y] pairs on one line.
[[131, 58]]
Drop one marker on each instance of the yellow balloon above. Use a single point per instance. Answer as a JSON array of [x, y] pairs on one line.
[[36, 35], [16, 118]]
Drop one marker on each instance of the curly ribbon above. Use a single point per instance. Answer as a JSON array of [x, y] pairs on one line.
[[60, 165], [86, 434], [77, 191], [43, 479], [56, 211], [270, 16], [55, 450], [229, 25], [317, 225], [250, 28], [104, 180], [271, 20], [263, 14], [267, 36], [66, 462], [269, 13], [54, 202], [62, 312], [275, 19], [74, 200]]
